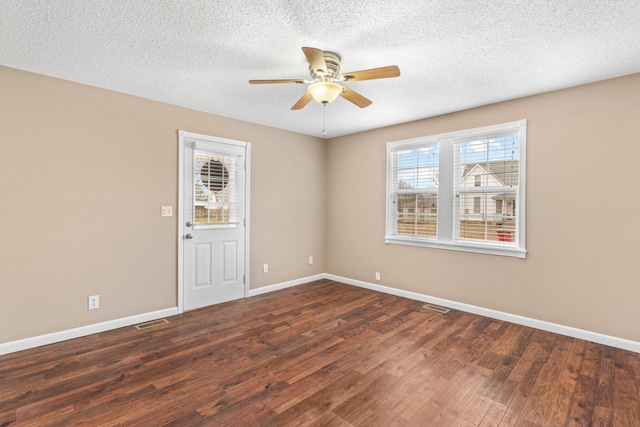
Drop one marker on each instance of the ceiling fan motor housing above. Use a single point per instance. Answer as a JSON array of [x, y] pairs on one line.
[[333, 67]]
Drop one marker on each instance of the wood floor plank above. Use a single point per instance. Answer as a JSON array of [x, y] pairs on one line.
[[309, 385], [453, 397], [322, 354], [476, 409], [328, 419], [328, 398], [548, 402], [515, 404], [494, 387], [494, 415], [406, 397], [356, 409]]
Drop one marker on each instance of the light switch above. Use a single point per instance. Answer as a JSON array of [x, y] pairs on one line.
[[167, 210]]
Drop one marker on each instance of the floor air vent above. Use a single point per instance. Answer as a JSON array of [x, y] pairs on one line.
[[436, 308], [147, 325]]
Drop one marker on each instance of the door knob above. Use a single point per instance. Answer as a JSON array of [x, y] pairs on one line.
[[189, 224], [189, 236]]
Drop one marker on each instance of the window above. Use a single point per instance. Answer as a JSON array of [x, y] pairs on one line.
[[415, 190], [460, 190], [215, 194]]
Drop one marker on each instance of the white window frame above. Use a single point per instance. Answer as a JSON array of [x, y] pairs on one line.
[[445, 238]]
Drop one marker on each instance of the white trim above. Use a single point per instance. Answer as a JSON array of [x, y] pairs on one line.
[[625, 344], [181, 147], [486, 249], [247, 210], [569, 331], [54, 337], [284, 285], [210, 138], [521, 234]]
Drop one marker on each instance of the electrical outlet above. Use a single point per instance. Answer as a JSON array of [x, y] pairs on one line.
[[377, 275], [166, 210], [310, 260], [265, 268], [94, 302]]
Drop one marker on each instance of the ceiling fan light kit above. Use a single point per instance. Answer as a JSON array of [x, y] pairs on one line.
[[324, 92], [324, 68]]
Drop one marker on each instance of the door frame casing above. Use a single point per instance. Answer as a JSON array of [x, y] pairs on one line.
[[182, 135]]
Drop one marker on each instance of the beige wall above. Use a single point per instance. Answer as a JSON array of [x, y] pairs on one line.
[[83, 173], [583, 219]]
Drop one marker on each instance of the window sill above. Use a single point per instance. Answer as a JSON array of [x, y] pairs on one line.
[[488, 249]]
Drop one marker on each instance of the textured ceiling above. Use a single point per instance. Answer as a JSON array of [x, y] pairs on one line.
[[453, 54]]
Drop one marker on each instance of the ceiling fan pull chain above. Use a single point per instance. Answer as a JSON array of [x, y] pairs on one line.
[[324, 119]]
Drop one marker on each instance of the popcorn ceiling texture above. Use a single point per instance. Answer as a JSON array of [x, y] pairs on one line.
[[453, 54]]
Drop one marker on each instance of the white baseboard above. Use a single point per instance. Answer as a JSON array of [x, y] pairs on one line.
[[54, 337], [26, 343], [494, 314], [284, 285], [23, 344]]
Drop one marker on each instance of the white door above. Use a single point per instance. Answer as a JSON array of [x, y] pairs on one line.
[[213, 217]]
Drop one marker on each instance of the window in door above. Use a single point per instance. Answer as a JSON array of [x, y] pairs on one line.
[[215, 194]]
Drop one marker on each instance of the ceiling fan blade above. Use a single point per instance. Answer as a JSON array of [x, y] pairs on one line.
[[316, 59], [371, 74], [355, 97], [262, 82], [302, 102]]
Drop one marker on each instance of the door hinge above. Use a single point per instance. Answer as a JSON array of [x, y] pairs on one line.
[[244, 281]]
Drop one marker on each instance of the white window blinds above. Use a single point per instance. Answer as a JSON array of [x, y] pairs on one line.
[[486, 184], [215, 198], [414, 190]]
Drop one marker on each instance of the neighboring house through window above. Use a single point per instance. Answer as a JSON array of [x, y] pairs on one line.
[[461, 190], [476, 204]]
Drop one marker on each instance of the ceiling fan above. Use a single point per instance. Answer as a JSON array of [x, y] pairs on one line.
[[324, 68]]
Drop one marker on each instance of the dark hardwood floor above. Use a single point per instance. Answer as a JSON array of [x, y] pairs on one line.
[[322, 354]]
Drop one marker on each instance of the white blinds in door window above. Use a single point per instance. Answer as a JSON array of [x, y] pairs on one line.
[[413, 182], [215, 198], [486, 186]]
